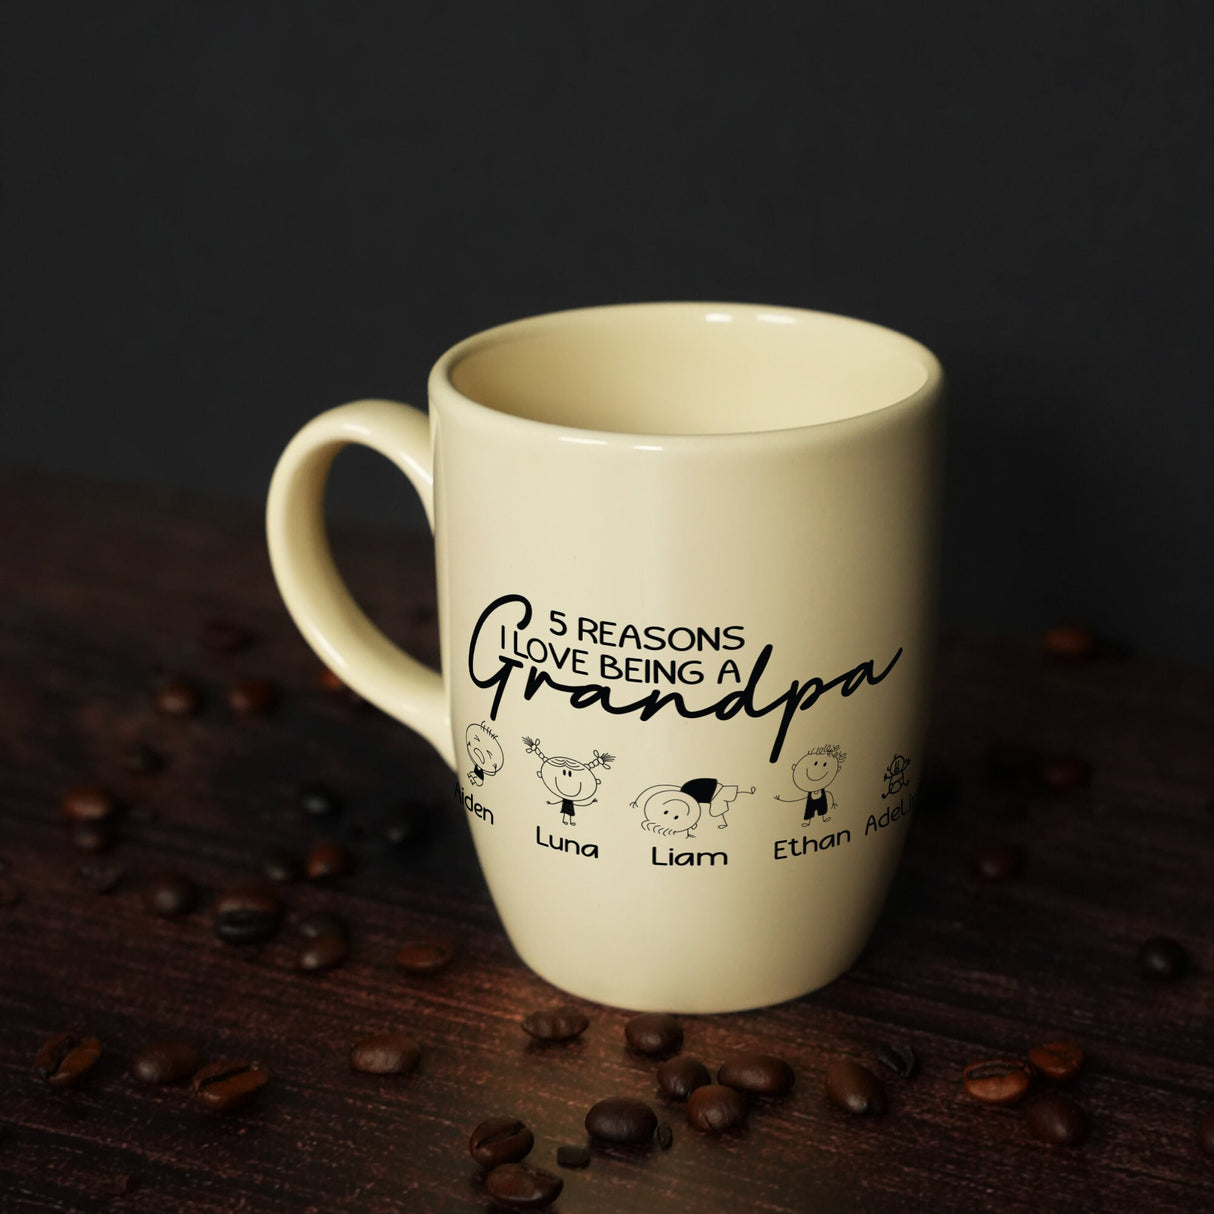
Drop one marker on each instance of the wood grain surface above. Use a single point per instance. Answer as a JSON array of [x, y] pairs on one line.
[[105, 591]]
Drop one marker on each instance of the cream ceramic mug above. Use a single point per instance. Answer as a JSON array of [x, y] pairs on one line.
[[686, 561]]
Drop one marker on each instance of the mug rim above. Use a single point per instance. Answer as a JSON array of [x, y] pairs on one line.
[[441, 384]]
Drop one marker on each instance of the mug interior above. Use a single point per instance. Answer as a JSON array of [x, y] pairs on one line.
[[686, 369]]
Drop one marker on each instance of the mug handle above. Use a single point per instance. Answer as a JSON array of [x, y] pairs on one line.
[[321, 606]]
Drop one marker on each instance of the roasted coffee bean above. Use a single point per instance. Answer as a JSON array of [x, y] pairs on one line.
[[556, 1024], [420, 958], [571, 1156], [654, 1033], [178, 698], [86, 803], [281, 865], [1162, 958], [998, 1080], [1205, 1133], [167, 1061], [499, 1140], [679, 1077], [326, 680], [386, 1054], [327, 859], [318, 801], [522, 1186], [247, 915], [10, 892], [92, 836], [622, 1120], [253, 697], [854, 1088], [63, 1060], [321, 923], [409, 824], [169, 895], [222, 636], [900, 1059], [758, 1074], [1062, 773], [715, 1108], [664, 1135], [228, 1083], [1057, 1120], [100, 877], [142, 759], [996, 860], [1069, 642], [324, 952], [1057, 1060]]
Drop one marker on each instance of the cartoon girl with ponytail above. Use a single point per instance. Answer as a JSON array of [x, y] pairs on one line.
[[573, 781]]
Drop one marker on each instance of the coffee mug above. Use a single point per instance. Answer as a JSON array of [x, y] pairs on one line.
[[686, 563]]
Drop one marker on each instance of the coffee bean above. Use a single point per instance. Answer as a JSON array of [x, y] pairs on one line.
[[622, 1120], [324, 952], [281, 865], [1063, 773], [178, 698], [167, 1061], [900, 1059], [998, 1080], [571, 1156], [222, 636], [679, 1077], [100, 877], [664, 1135], [654, 1033], [715, 1108], [169, 895], [1057, 1120], [326, 680], [318, 801], [1205, 1133], [1057, 1060], [1162, 958], [92, 836], [409, 824], [758, 1074], [854, 1088], [420, 958], [327, 859], [321, 923], [1070, 643], [556, 1024], [247, 915], [996, 860], [228, 1084], [386, 1054], [253, 697], [10, 892], [499, 1140], [63, 1060], [86, 803], [522, 1186], [141, 759]]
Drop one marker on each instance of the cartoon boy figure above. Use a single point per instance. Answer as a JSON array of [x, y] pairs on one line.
[[573, 781], [811, 773], [485, 751], [895, 776], [673, 809]]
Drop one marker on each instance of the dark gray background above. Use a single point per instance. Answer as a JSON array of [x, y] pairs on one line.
[[221, 218]]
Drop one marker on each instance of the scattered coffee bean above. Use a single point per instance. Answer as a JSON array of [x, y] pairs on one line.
[[63, 1060], [408, 824], [1057, 1120], [758, 1074], [571, 1156], [178, 698], [654, 1033], [228, 1084], [499, 1140], [92, 836], [998, 1080], [281, 865], [1162, 958], [622, 1120], [253, 697], [854, 1088], [222, 636], [326, 680], [321, 923], [715, 1108], [1205, 1133], [168, 1061], [327, 859], [142, 759], [88, 804], [996, 860], [100, 877], [679, 1077], [900, 1059], [247, 915], [1069, 642], [664, 1135], [420, 958], [169, 895], [1057, 1060], [522, 1186], [1062, 773], [556, 1024], [386, 1054], [10, 892], [324, 952], [318, 801]]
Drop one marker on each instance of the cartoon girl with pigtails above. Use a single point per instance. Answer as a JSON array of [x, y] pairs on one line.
[[573, 781]]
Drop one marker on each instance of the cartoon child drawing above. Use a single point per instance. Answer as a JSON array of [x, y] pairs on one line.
[[485, 751], [674, 809], [573, 781], [895, 776], [811, 773]]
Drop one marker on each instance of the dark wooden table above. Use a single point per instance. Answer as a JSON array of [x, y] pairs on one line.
[[105, 590]]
